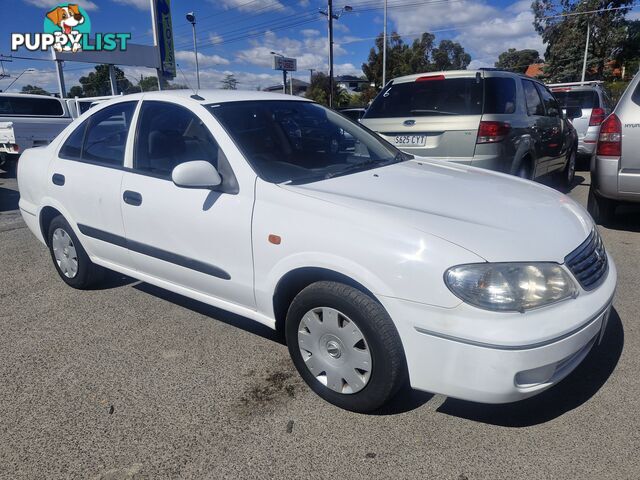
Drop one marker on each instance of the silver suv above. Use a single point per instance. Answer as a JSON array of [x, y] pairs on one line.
[[595, 105], [615, 167], [486, 118]]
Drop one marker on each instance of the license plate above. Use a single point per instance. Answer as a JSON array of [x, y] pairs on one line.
[[410, 140]]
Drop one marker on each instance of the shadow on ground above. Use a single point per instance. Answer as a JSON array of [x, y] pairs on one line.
[[8, 199], [573, 391], [214, 313]]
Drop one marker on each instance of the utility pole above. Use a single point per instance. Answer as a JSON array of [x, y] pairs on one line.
[[330, 17], [586, 50], [384, 46], [310, 75]]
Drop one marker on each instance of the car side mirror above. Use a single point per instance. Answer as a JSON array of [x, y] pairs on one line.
[[572, 112], [196, 174]]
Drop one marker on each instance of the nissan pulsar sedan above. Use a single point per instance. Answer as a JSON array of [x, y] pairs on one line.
[[379, 268]]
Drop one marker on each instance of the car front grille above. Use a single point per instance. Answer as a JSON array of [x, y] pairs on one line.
[[588, 262]]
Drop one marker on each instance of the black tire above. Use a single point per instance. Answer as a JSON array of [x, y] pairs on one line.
[[388, 366], [568, 173], [524, 169], [601, 209], [88, 273]]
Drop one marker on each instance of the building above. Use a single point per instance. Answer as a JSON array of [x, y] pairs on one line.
[[351, 83]]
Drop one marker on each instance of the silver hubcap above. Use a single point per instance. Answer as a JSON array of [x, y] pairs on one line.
[[334, 350], [65, 253]]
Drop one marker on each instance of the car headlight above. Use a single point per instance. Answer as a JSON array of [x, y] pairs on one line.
[[510, 286]]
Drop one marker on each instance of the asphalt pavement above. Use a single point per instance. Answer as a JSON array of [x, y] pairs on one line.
[[133, 382]]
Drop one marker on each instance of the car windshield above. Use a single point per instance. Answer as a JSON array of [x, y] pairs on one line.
[[577, 98], [299, 142]]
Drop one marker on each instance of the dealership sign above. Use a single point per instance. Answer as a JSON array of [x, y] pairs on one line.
[[67, 28], [285, 63]]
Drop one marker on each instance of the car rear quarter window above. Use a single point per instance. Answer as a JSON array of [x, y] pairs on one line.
[[72, 148], [29, 106], [437, 96], [532, 97], [550, 103], [499, 95], [635, 96]]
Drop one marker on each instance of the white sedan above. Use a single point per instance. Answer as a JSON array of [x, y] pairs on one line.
[[379, 268]]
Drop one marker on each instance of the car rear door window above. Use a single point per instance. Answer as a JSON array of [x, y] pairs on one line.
[[102, 137], [499, 95], [550, 103], [168, 135], [532, 97], [428, 96]]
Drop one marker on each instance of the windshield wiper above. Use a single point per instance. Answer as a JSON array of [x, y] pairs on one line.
[[440, 112]]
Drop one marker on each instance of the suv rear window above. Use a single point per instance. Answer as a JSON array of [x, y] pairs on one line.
[[41, 107], [451, 96], [635, 97], [577, 98], [499, 95]]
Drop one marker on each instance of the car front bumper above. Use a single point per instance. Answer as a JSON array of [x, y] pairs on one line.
[[507, 357]]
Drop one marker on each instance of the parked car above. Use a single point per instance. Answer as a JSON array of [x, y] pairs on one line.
[[486, 118], [378, 268], [615, 167], [28, 121], [594, 104]]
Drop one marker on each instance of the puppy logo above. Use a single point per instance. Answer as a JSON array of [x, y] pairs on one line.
[[66, 22]]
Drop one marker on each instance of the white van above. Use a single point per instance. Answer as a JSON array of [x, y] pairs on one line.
[[28, 121]]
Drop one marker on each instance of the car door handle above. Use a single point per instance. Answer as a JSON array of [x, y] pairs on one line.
[[58, 179], [132, 198]]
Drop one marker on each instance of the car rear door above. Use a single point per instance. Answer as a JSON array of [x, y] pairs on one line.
[[435, 115], [85, 180], [628, 110], [194, 238], [539, 128]]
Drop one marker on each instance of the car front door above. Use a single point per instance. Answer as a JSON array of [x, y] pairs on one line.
[[86, 176], [195, 238], [558, 131]]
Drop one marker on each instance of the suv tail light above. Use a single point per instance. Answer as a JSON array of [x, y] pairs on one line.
[[491, 132], [610, 139], [597, 116]]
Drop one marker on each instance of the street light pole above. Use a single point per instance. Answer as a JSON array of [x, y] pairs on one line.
[[331, 17], [586, 50], [384, 46], [191, 18]]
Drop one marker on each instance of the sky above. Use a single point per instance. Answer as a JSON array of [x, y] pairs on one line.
[[237, 36]]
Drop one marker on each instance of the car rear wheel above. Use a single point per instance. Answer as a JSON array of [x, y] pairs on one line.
[[601, 209], [70, 258], [345, 346]]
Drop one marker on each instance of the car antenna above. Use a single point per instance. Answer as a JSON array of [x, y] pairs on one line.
[[195, 95]]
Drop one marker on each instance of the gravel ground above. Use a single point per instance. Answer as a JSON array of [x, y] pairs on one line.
[[130, 381]]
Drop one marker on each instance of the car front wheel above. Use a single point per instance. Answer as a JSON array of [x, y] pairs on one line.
[[345, 346], [69, 257]]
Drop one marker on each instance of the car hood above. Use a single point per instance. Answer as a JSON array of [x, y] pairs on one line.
[[496, 216]]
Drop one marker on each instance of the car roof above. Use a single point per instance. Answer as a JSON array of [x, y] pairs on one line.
[[459, 74], [27, 95], [206, 97]]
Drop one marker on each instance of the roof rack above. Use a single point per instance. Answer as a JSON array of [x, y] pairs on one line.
[[576, 84]]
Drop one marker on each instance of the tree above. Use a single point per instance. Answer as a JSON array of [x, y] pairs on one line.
[[35, 90], [229, 82], [97, 83], [564, 34], [629, 53], [318, 91], [450, 55], [421, 56], [76, 91], [517, 60]]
